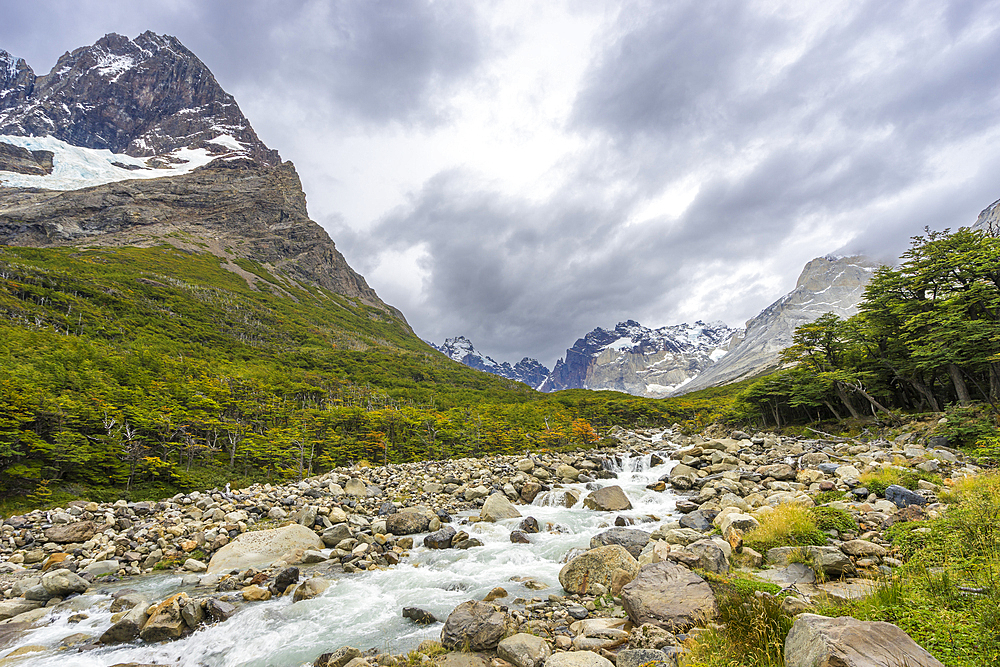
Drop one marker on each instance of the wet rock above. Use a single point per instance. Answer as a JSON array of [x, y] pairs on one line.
[[219, 610], [496, 594], [529, 525], [286, 578], [192, 613], [309, 589], [632, 539], [847, 642], [440, 539], [608, 499], [165, 620], [262, 548], [16, 606], [524, 650], [669, 596], [478, 625], [498, 508], [255, 593], [419, 616], [127, 628], [530, 490], [595, 568], [519, 537]]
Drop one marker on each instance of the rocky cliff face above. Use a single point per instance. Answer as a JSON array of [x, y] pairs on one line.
[[144, 97], [989, 220], [461, 349], [638, 360], [825, 285]]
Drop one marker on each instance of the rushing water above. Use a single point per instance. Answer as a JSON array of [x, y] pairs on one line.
[[364, 609]]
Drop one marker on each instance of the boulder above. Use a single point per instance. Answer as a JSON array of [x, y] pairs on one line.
[[524, 650], [498, 508], [419, 616], [219, 610], [710, 555], [608, 499], [779, 471], [696, 521], [440, 539], [530, 490], [477, 625], [596, 567], [102, 567], [127, 628], [632, 539], [15, 606], [355, 487], [578, 659], [261, 548], [903, 497], [309, 589], [566, 471], [71, 532], [408, 523], [338, 658], [286, 578], [669, 596], [165, 620], [651, 636], [60, 583], [819, 641], [645, 656], [863, 549], [334, 535]]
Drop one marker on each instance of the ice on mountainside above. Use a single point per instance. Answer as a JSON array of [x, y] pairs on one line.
[[461, 349]]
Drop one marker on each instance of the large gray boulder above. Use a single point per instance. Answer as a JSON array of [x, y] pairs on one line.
[[498, 508], [819, 641], [15, 606], [476, 625], [669, 596], [631, 538], [524, 650], [596, 567], [261, 548], [608, 499]]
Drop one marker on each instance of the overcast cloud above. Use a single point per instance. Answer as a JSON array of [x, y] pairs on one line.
[[522, 172]]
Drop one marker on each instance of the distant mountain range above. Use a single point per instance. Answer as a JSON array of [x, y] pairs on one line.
[[677, 359], [461, 349]]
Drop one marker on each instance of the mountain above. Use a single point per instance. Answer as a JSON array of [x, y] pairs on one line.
[[826, 284], [461, 349], [638, 360], [145, 98], [989, 219]]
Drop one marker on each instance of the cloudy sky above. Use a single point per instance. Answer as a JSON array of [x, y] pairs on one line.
[[522, 172]]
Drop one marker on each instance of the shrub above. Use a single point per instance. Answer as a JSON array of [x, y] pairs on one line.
[[786, 525]]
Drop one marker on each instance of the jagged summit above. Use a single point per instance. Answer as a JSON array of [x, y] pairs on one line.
[[461, 349], [148, 100], [639, 360], [989, 219]]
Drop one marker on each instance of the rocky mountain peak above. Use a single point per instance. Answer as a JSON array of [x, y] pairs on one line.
[[989, 219], [461, 349], [143, 97]]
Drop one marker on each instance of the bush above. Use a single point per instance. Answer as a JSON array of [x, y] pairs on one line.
[[786, 525]]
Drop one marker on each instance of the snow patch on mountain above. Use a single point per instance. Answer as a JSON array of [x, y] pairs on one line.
[[461, 349], [74, 167]]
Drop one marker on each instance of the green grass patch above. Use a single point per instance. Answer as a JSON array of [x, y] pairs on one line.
[[785, 525]]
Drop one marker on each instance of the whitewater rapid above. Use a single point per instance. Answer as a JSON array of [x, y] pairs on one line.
[[363, 609]]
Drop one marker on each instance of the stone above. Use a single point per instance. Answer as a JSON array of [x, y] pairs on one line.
[[339, 658], [477, 625], [645, 656], [165, 620], [831, 561], [309, 589], [60, 583], [632, 539], [102, 567], [71, 532], [696, 521], [710, 555], [567, 472], [524, 650], [262, 548], [336, 534], [440, 539], [408, 523], [578, 659], [779, 471], [192, 613], [648, 635], [596, 567], [529, 525], [286, 578], [902, 497], [519, 537], [819, 641], [13, 607], [498, 508], [863, 549], [530, 490], [608, 499], [255, 593], [219, 610], [310, 557], [192, 565], [669, 596], [355, 487], [419, 616]]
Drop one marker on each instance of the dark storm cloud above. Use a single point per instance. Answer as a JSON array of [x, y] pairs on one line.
[[841, 130], [367, 62]]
